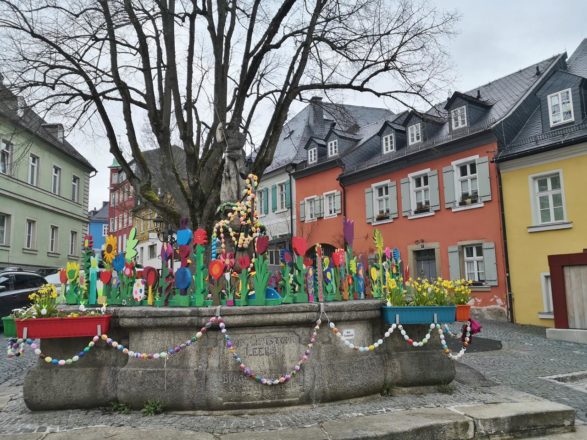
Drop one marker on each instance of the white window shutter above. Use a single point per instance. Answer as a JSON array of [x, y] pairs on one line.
[[302, 211], [454, 263], [490, 261], [448, 179], [434, 193], [369, 205], [338, 202], [406, 204], [483, 179], [392, 188]]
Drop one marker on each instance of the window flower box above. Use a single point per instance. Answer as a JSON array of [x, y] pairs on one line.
[[50, 328], [382, 216], [418, 314], [467, 199], [421, 208]]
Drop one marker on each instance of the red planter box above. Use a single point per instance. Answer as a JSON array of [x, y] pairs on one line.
[[50, 328]]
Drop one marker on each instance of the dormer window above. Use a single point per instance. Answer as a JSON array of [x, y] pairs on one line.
[[388, 143], [333, 148], [458, 117], [414, 133], [312, 155], [560, 108]]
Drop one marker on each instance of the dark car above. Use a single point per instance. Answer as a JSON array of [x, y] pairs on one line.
[[15, 288]]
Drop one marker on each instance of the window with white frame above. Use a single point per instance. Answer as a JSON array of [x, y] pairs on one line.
[[414, 133], [30, 238], [33, 170], [4, 229], [73, 243], [560, 107], [281, 196], [382, 203], [458, 117], [104, 229], [6, 157], [311, 209], [467, 183], [474, 264], [313, 155], [547, 306], [112, 224], [152, 251], [56, 180], [75, 189], [260, 202], [549, 203], [330, 204], [53, 239], [420, 193], [274, 257], [388, 143], [333, 148]]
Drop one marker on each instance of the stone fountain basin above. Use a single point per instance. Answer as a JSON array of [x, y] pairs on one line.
[[270, 340]]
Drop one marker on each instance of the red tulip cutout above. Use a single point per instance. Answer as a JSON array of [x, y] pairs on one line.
[[106, 276], [151, 277]]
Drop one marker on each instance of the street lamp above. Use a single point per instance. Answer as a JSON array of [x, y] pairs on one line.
[[289, 169], [163, 230]]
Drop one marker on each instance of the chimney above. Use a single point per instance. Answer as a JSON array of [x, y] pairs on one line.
[[316, 115], [538, 71], [478, 93], [55, 130]]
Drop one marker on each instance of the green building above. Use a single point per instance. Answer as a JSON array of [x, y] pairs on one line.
[[44, 187]]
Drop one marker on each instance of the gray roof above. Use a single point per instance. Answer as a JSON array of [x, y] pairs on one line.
[[534, 137], [31, 121], [348, 119], [502, 94], [100, 215]]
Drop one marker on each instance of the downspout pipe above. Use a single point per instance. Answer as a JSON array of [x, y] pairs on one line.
[[510, 298]]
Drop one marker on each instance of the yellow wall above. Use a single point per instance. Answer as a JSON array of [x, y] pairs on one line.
[[528, 252]]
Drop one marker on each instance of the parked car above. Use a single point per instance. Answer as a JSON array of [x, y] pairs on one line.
[[47, 271], [56, 280], [15, 288]]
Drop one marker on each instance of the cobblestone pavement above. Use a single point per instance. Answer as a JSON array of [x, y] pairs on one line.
[[526, 357]]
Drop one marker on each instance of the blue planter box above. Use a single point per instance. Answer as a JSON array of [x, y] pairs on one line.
[[419, 314]]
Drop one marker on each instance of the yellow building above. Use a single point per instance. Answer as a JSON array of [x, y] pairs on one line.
[[557, 176], [544, 186]]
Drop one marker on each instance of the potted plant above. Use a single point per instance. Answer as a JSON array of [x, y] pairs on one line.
[[422, 208], [460, 296], [44, 320], [420, 302]]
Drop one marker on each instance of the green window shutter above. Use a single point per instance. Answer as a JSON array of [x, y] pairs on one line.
[[490, 263], [454, 263], [448, 180], [287, 195], [337, 202], [302, 211], [274, 198], [392, 187], [483, 179], [266, 201], [319, 207], [406, 204], [369, 205], [434, 193]]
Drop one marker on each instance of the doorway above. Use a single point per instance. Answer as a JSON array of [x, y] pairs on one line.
[[425, 264]]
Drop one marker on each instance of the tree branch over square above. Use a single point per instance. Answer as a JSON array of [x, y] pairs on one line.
[[216, 78]]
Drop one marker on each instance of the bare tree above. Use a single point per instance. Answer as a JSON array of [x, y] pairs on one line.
[[212, 76]]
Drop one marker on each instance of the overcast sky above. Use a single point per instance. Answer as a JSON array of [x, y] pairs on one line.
[[494, 38]]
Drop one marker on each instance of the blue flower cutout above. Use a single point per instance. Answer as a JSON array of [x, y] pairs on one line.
[[118, 262]]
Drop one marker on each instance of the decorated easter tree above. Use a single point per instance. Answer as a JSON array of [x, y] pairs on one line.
[[299, 246], [200, 271]]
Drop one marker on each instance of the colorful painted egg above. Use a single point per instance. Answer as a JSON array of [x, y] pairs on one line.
[[138, 291]]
